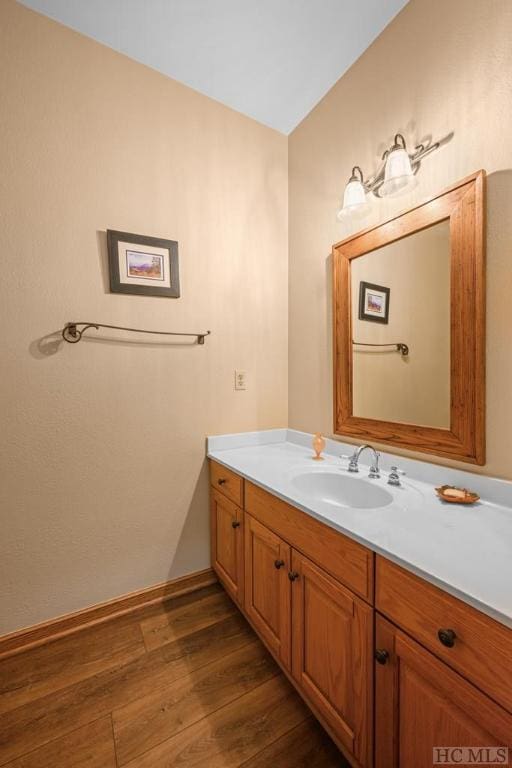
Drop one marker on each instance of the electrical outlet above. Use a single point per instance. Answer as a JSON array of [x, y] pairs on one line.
[[240, 379]]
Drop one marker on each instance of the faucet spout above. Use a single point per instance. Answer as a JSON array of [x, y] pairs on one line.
[[354, 461]]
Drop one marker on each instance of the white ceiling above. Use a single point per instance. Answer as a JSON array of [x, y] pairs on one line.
[[270, 59]]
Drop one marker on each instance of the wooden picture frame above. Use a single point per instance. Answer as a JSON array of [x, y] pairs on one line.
[[463, 205], [143, 265]]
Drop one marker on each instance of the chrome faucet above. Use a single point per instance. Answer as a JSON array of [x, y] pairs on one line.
[[353, 465]]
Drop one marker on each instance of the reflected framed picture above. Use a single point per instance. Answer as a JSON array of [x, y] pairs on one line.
[[373, 302], [142, 265]]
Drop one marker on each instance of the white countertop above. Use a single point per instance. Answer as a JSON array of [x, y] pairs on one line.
[[464, 549]]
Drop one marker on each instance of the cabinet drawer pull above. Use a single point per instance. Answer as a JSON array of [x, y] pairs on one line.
[[278, 564], [447, 637], [381, 655], [293, 575], [235, 524], [221, 480]]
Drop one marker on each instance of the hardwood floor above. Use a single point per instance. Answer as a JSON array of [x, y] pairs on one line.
[[186, 683]]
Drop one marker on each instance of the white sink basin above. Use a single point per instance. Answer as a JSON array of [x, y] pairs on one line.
[[342, 490]]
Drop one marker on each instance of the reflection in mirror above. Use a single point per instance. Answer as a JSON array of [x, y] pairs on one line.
[[400, 293]]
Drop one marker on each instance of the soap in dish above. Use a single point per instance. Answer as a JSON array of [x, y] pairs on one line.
[[456, 495]]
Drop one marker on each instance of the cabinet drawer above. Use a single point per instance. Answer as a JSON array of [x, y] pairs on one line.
[[227, 482], [482, 648], [348, 561]]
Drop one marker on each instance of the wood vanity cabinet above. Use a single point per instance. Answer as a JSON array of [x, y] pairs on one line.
[[421, 704], [468, 641], [454, 689], [391, 665], [317, 628]]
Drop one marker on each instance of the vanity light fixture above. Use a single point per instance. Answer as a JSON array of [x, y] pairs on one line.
[[396, 175], [355, 203]]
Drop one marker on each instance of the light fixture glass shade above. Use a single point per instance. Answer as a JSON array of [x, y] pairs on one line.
[[398, 174], [355, 203]]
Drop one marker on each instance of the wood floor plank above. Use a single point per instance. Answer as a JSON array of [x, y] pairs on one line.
[[233, 734], [32, 725], [91, 746], [306, 746], [162, 609], [48, 668], [54, 666], [177, 621], [146, 722], [188, 682]]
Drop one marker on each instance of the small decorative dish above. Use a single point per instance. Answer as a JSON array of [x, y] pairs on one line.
[[456, 495]]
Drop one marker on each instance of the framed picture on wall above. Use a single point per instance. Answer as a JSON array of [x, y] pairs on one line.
[[373, 302], [142, 265]]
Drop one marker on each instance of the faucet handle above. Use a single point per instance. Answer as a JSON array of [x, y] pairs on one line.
[[352, 461], [394, 476]]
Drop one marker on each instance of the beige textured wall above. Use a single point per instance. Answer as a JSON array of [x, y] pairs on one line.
[[104, 483], [438, 67], [387, 386]]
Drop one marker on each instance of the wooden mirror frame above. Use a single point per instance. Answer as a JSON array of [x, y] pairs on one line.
[[464, 205]]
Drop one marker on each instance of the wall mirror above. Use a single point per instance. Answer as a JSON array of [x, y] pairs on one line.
[[409, 324]]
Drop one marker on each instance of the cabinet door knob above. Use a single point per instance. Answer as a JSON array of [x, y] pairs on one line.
[[221, 480], [293, 575], [278, 564], [447, 637], [235, 524], [381, 655]]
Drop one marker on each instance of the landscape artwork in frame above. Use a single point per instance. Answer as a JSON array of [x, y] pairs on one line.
[[373, 302], [143, 265]]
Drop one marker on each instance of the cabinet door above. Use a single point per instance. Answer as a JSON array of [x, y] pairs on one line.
[[227, 544], [267, 587], [332, 634], [422, 705]]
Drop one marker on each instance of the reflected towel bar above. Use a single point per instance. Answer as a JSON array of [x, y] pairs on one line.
[[72, 333], [399, 346]]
